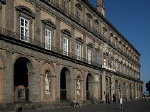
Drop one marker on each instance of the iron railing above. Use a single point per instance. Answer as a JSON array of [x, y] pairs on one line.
[[91, 29], [12, 35]]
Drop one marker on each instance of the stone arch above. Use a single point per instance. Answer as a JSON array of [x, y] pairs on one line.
[[65, 84], [47, 82], [23, 69], [30, 65], [89, 86]]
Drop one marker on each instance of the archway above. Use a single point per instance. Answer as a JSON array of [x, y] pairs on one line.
[[89, 87], [21, 70], [65, 83]]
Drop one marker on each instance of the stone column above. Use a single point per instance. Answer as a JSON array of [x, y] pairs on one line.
[[104, 86]]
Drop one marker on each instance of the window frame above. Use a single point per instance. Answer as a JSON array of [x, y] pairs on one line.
[[24, 37]]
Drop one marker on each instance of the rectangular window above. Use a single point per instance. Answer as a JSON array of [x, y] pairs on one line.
[[24, 29], [96, 27], [89, 56], [78, 51], [97, 57], [88, 21], [65, 5], [48, 39], [65, 46], [78, 13], [104, 33]]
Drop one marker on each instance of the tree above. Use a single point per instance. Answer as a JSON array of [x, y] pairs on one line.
[[148, 86]]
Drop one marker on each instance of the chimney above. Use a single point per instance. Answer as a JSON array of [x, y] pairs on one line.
[[100, 7]]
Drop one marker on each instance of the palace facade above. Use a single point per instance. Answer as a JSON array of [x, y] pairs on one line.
[[55, 51]]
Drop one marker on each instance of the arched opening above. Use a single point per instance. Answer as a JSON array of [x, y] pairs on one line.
[[21, 70], [89, 87], [64, 84], [116, 96]]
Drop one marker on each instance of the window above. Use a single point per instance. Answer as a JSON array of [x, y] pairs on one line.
[[78, 51], [96, 23], [65, 46], [110, 62], [96, 27], [78, 10], [65, 4], [89, 17], [97, 57], [88, 21], [48, 39], [78, 13], [24, 29], [104, 31], [89, 56]]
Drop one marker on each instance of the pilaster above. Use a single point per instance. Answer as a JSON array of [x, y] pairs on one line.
[[8, 79], [104, 86]]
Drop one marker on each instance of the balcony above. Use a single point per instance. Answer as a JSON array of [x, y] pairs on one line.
[[37, 45]]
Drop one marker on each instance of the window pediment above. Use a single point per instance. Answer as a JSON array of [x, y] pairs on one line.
[[90, 45], [49, 23], [89, 15], [80, 39], [66, 31], [96, 21], [25, 10], [78, 5]]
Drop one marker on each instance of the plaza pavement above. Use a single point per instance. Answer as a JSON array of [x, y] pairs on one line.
[[129, 106]]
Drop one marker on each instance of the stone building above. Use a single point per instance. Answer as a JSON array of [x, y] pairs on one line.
[[55, 51]]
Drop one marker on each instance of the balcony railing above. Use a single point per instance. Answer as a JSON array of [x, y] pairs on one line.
[[43, 46]]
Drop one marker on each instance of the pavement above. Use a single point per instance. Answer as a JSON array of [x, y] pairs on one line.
[[128, 106]]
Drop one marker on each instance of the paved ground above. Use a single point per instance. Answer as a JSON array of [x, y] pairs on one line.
[[129, 106]]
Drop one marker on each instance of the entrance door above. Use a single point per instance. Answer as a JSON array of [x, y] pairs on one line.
[[64, 84], [89, 87]]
